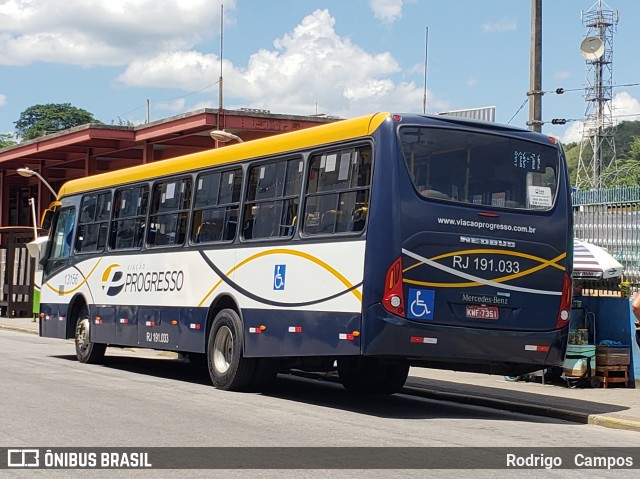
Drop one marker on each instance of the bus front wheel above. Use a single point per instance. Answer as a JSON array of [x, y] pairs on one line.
[[228, 368], [86, 350], [372, 375]]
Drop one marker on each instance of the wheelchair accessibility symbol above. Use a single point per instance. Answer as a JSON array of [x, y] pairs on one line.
[[421, 303], [278, 277]]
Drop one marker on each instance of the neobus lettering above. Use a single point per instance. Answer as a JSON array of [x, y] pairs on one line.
[[487, 241], [159, 281]]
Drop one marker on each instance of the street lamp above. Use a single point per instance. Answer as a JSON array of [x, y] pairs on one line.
[[28, 173], [224, 136]]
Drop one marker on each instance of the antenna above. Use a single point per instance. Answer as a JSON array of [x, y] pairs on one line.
[[220, 79], [594, 170], [426, 51], [592, 48]]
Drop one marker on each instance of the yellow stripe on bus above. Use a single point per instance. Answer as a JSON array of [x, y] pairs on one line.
[[292, 252], [543, 264], [63, 292]]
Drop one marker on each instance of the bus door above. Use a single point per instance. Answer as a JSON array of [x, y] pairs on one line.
[[53, 325]]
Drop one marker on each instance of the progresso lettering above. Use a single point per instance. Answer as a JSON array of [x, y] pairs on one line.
[[156, 281]]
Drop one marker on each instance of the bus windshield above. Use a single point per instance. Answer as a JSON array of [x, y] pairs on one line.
[[479, 168]]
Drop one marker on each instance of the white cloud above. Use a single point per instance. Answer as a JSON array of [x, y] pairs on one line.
[[101, 32], [388, 11], [573, 134], [175, 106], [188, 70], [505, 25], [3, 99], [309, 68], [562, 75], [471, 82], [624, 107]]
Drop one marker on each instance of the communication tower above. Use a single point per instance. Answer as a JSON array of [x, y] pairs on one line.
[[597, 160]]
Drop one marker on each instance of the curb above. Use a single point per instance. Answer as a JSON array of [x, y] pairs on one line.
[[614, 422], [18, 329], [603, 420], [531, 409]]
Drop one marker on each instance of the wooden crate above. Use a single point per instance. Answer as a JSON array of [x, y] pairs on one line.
[[613, 355], [606, 375]]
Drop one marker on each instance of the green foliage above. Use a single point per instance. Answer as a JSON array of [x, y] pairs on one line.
[[39, 120], [572, 151], [6, 139], [628, 165], [627, 141]]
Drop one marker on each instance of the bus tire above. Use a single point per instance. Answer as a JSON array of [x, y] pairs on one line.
[[372, 375], [228, 368], [86, 350]]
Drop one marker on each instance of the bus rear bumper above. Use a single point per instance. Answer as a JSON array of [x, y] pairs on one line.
[[509, 352]]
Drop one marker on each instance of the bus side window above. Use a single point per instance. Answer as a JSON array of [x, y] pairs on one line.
[[93, 223], [215, 210], [273, 196], [129, 218], [337, 198]]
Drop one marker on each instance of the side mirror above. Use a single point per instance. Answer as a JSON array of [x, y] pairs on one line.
[[47, 219], [38, 248]]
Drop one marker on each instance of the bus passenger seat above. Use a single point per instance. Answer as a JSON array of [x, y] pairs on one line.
[[328, 221], [358, 219], [206, 233]]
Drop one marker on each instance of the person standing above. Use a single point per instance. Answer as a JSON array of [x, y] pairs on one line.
[[635, 308]]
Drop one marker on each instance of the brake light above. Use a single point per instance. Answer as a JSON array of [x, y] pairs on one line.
[[565, 303], [393, 297]]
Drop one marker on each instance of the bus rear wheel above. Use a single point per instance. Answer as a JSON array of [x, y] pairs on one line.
[[228, 368], [372, 375], [86, 350]]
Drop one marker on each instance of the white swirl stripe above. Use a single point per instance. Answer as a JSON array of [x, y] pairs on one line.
[[477, 279]]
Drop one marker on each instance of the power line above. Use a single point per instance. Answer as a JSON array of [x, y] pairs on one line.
[[518, 111], [168, 99], [560, 91]]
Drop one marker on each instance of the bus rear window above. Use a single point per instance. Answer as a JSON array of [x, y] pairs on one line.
[[479, 168]]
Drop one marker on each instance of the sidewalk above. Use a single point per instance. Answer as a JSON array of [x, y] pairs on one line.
[[615, 407]]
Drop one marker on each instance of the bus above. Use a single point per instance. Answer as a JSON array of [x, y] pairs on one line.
[[364, 246]]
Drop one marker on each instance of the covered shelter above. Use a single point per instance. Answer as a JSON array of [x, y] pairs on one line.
[[95, 148]]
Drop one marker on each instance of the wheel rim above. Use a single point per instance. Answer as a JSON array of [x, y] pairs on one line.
[[223, 350], [82, 335]]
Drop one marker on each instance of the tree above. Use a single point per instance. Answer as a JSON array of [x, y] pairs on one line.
[[6, 140], [628, 168], [39, 120], [627, 141]]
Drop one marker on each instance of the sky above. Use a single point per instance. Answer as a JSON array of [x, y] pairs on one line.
[[304, 57]]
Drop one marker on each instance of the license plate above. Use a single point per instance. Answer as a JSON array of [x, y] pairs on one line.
[[482, 312]]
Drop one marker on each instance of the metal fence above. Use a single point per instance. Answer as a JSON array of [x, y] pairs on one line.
[[16, 272], [610, 218]]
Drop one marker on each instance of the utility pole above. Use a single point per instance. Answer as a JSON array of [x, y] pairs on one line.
[[535, 68]]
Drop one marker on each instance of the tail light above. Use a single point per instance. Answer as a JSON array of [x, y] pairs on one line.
[[565, 303], [393, 297]]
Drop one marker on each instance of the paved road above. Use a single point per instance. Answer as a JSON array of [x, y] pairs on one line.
[[50, 400]]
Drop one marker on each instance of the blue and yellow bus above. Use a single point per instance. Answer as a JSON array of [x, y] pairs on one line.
[[367, 245]]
